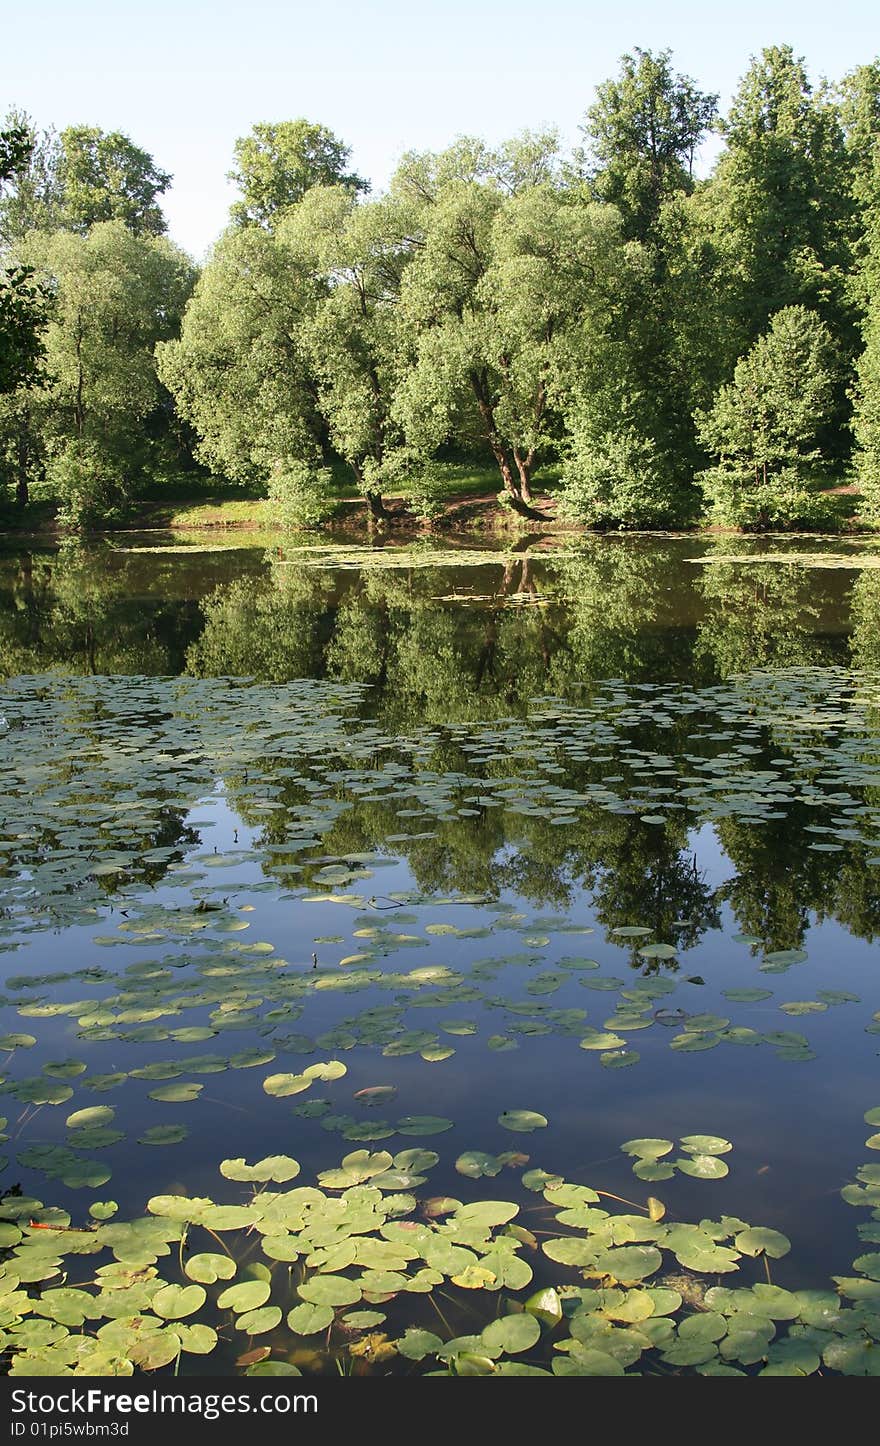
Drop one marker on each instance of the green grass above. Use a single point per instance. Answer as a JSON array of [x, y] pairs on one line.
[[218, 512], [215, 503]]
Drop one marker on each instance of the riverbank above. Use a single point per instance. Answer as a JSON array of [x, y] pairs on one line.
[[471, 507]]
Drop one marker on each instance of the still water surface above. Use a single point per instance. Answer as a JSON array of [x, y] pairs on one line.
[[508, 773]]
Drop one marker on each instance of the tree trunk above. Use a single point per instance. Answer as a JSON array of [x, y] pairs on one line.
[[22, 493], [375, 506], [513, 486], [524, 466], [377, 509]]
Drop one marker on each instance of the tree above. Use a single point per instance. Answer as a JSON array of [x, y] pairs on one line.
[[15, 147], [355, 254], [239, 371], [104, 176], [276, 164], [72, 181], [24, 302], [632, 452], [502, 270], [782, 200], [115, 296], [291, 347], [860, 109], [765, 427], [642, 134], [866, 419], [31, 202]]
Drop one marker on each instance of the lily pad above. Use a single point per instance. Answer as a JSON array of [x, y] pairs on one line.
[[522, 1122]]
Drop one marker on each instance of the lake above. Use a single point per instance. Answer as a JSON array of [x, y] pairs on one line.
[[359, 904]]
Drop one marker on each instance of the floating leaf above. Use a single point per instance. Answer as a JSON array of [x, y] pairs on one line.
[[258, 1322], [628, 1263], [174, 1302], [705, 1145], [177, 1094], [210, 1267], [163, 1135], [330, 1290], [308, 1319], [415, 1345], [758, 1240], [522, 1122], [247, 1296], [512, 1333], [702, 1167], [423, 1125], [279, 1168]]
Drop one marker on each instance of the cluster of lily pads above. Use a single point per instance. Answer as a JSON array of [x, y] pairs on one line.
[[701, 1157], [231, 987], [113, 769], [361, 1273]]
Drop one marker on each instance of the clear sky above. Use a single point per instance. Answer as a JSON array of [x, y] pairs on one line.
[[184, 78]]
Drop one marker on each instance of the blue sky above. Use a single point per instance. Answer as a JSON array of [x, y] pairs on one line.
[[183, 78]]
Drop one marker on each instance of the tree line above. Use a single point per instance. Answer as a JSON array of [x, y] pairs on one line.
[[675, 348]]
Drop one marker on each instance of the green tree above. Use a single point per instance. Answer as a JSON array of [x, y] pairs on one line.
[[104, 176], [291, 346], [239, 371], [355, 254], [23, 301], [82, 176], [866, 418], [641, 138], [31, 202], [765, 427], [782, 200], [859, 103], [866, 423], [115, 296], [632, 451], [276, 164], [861, 115], [503, 270], [15, 147]]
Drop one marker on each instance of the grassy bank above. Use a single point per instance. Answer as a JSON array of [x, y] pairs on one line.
[[470, 503]]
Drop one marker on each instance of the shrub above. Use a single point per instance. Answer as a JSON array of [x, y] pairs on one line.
[[623, 480], [300, 494], [787, 501], [93, 486]]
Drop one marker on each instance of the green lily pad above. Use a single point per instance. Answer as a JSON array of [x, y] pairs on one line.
[[163, 1135], [247, 1296], [258, 1322], [702, 1167], [94, 1115], [705, 1145], [415, 1344], [628, 1263], [175, 1302], [210, 1267], [653, 1170], [423, 1125], [279, 1168], [330, 1290], [512, 1334], [758, 1240], [308, 1319], [522, 1122]]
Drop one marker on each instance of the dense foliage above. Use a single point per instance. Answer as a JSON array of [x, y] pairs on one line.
[[674, 346]]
